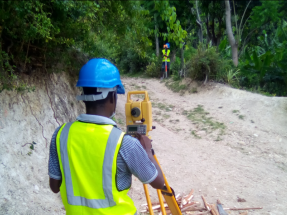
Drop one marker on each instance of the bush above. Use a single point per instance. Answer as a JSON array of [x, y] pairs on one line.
[[207, 63], [154, 68], [175, 67], [43, 36], [130, 62], [176, 86], [7, 74], [263, 68]]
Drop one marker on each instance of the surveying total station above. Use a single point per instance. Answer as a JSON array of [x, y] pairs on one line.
[[139, 120]]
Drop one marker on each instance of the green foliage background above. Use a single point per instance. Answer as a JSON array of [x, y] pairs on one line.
[[38, 36]]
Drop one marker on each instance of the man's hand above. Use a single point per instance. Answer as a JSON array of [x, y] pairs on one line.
[[55, 185]]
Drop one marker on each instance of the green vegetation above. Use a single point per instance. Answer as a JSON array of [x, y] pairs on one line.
[[162, 113], [162, 106], [154, 66], [193, 90], [118, 121], [136, 87], [38, 37], [174, 121], [241, 117], [32, 147], [232, 76], [237, 112], [166, 116], [176, 85], [206, 64], [202, 121], [195, 135]]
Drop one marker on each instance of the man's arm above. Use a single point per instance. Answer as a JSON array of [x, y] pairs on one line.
[[158, 183], [138, 162], [55, 176]]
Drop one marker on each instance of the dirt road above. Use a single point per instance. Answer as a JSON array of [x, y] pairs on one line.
[[224, 143]]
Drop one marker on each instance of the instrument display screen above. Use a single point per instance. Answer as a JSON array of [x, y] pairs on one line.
[[133, 128]]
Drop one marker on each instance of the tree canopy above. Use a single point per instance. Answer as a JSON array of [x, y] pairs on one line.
[[61, 35]]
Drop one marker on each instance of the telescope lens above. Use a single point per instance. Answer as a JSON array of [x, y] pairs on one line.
[[135, 112]]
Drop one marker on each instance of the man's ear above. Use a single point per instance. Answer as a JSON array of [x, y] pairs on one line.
[[113, 98]]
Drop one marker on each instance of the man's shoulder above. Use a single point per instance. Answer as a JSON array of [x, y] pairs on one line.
[[129, 138], [129, 143], [56, 132]]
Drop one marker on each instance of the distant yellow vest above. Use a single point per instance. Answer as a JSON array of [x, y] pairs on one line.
[[167, 58], [88, 160]]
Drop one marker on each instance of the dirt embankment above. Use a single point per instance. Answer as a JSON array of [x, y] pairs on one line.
[[222, 142], [24, 119]]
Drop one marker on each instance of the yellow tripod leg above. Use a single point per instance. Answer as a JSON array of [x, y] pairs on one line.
[[168, 195], [148, 199], [161, 202]]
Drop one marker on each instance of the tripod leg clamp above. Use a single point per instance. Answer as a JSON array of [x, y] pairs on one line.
[[166, 193]]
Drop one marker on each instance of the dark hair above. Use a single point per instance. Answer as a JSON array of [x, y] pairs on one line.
[[95, 104]]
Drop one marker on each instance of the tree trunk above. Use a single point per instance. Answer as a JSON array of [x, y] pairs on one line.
[[182, 62], [155, 35], [231, 39], [198, 21], [173, 55], [209, 36]]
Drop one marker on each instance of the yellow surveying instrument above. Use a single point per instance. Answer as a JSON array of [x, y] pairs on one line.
[[139, 120]]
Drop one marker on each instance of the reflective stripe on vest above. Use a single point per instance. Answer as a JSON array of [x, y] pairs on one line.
[[107, 171]]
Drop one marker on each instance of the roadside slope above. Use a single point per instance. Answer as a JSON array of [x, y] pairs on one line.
[[24, 119]]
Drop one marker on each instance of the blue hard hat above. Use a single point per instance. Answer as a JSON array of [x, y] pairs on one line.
[[100, 72], [168, 46]]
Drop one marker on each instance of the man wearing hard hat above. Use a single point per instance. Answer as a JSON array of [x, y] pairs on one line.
[[165, 61], [91, 160]]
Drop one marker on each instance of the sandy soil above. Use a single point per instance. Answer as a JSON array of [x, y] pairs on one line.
[[249, 161]]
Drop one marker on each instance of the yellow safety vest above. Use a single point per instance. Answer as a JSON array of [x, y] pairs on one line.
[[167, 58], [88, 160]]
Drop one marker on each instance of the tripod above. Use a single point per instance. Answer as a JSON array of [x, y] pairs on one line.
[[168, 195], [139, 120]]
